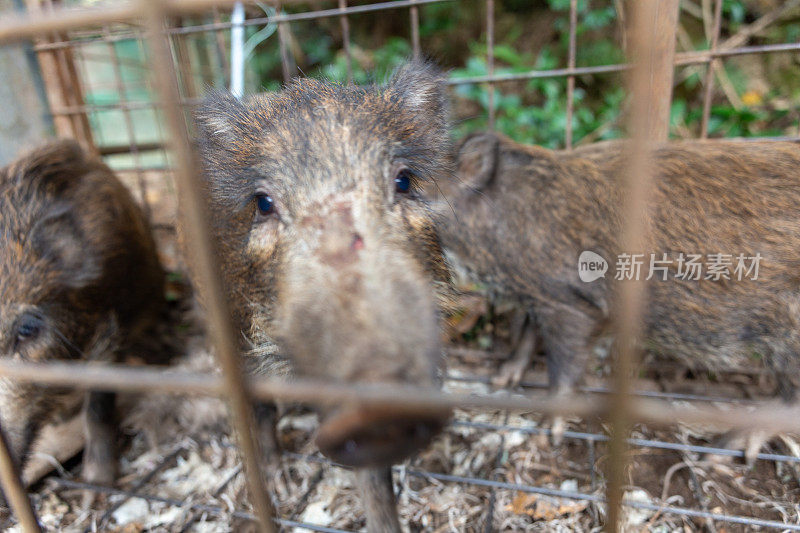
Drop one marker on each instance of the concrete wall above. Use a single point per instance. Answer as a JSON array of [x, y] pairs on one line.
[[24, 118]]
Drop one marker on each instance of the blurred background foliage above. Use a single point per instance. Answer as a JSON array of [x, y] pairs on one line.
[[756, 95]]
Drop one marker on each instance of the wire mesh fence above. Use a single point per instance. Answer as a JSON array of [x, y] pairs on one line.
[[157, 59]]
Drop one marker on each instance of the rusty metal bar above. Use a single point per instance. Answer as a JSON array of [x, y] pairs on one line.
[[490, 57], [708, 82], [61, 82], [20, 26], [181, 51], [325, 13], [681, 59], [573, 23], [769, 417], [282, 38], [133, 147], [196, 225], [222, 55], [14, 489], [415, 44], [71, 110], [218, 26], [650, 85], [346, 40]]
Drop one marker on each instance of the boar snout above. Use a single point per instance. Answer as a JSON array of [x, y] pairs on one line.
[[367, 436], [357, 308]]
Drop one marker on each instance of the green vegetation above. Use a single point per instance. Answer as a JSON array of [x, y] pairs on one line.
[[754, 95]]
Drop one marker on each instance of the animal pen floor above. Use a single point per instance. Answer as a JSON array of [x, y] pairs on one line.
[[179, 470]]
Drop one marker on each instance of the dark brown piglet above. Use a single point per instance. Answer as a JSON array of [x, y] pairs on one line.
[[330, 255], [79, 280]]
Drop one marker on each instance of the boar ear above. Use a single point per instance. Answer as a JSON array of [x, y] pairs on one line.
[[422, 88], [57, 164], [477, 160], [58, 238], [218, 117]]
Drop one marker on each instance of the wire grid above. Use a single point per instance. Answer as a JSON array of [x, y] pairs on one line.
[[175, 93]]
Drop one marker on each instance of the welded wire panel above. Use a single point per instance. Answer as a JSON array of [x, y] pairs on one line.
[[74, 32]]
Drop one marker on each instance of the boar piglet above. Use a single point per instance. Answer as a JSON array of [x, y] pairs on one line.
[[79, 280], [519, 218], [330, 256]]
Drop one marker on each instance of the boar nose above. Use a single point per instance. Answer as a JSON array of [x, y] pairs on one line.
[[339, 241], [369, 436]]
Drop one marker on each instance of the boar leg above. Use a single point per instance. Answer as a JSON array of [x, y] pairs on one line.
[[266, 414], [525, 346], [567, 335], [752, 441], [100, 452], [378, 499]]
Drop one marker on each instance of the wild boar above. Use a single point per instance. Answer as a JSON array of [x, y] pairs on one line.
[[330, 256], [721, 264], [80, 279]]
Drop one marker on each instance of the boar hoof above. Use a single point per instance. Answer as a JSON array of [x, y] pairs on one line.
[[557, 430], [750, 442], [510, 375]]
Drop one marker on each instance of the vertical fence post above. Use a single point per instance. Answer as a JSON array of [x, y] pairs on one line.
[[652, 50], [284, 47], [490, 57], [414, 14], [573, 23], [129, 125], [346, 40], [708, 82], [13, 488], [62, 86], [197, 229]]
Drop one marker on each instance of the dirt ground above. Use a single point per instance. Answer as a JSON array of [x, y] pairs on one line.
[[180, 471]]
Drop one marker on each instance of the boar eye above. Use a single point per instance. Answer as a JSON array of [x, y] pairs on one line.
[[265, 204], [29, 327], [402, 182]]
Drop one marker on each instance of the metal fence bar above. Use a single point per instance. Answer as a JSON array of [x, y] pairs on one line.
[[573, 24], [129, 127], [680, 396], [490, 58], [571, 495], [415, 44], [645, 443], [768, 417], [681, 59], [196, 225], [346, 40], [8, 32], [652, 46], [284, 46], [14, 489], [708, 82], [71, 110]]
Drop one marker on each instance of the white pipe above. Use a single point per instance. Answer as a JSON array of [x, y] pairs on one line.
[[237, 50]]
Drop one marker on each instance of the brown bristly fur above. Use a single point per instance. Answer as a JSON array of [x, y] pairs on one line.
[[522, 215], [346, 278], [79, 279]]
